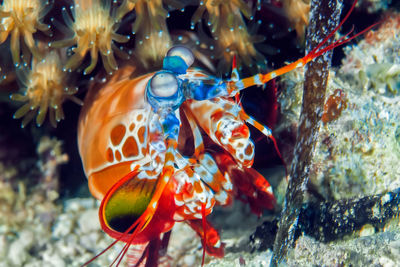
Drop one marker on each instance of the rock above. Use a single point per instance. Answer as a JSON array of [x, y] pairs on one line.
[[18, 251], [51, 258], [380, 249], [89, 221], [63, 226]]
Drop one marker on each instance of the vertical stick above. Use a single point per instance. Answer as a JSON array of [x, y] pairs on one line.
[[324, 17]]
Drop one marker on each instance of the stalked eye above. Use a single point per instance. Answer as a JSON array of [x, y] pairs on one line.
[[163, 91], [163, 84], [182, 52]]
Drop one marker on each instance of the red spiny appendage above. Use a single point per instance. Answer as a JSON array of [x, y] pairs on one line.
[[279, 153], [137, 254], [101, 253], [213, 245], [147, 255], [122, 253], [118, 238], [265, 197], [153, 254], [235, 73], [249, 185], [234, 64], [204, 222]]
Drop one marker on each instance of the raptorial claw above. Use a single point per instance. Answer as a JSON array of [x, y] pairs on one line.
[[213, 244]]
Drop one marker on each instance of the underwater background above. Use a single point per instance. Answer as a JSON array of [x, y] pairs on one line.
[[350, 215]]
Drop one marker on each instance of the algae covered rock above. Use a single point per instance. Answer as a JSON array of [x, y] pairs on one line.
[[358, 153], [358, 147]]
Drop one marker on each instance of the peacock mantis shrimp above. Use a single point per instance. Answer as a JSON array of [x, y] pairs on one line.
[[169, 146]]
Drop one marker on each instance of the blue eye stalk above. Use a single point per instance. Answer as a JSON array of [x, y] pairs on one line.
[[178, 59], [166, 91], [165, 95]]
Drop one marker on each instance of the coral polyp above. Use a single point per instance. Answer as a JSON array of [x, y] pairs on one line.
[[21, 19], [298, 14], [150, 27], [94, 30], [45, 90], [228, 28], [147, 11]]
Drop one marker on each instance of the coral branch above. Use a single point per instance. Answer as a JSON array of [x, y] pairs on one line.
[[332, 220], [324, 19]]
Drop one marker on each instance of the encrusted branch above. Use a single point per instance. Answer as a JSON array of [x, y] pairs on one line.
[[324, 17], [332, 220]]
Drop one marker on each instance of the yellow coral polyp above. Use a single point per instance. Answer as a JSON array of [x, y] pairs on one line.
[[45, 90], [238, 39], [229, 29], [152, 47], [21, 19], [222, 12], [297, 12], [152, 36], [95, 32]]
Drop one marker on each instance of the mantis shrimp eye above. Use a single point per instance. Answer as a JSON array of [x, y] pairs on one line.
[[163, 84], [182, 52], [163, 91], [178, 59]]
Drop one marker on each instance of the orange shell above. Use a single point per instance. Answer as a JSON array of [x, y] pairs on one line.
[[110, 131]]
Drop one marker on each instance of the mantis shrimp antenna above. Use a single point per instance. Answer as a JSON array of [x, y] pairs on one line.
[[260, 79], [250, 120], [236, 84]]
